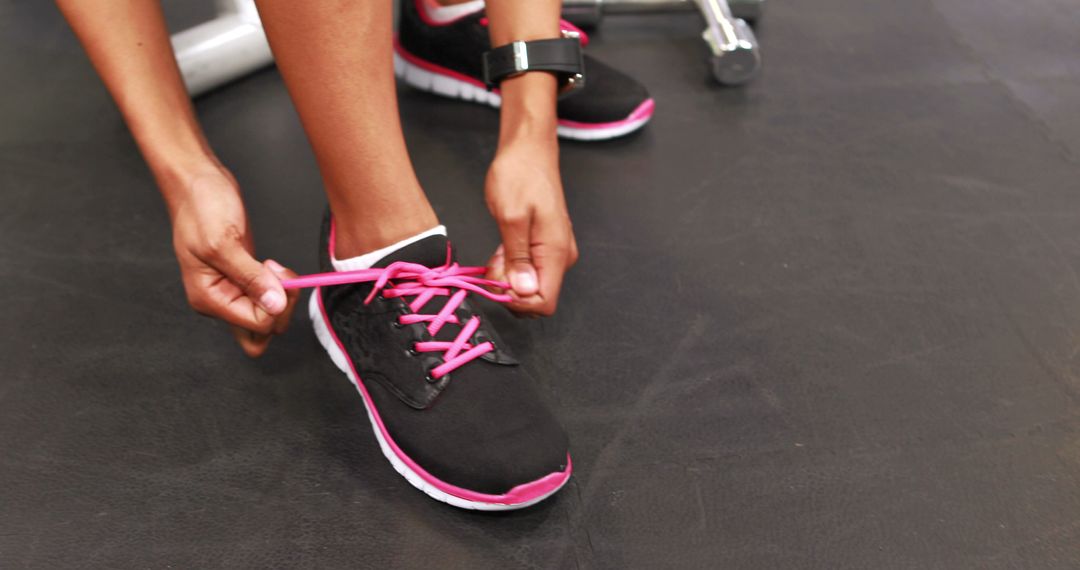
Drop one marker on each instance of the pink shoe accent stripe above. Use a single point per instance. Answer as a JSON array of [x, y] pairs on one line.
[[642, 112]]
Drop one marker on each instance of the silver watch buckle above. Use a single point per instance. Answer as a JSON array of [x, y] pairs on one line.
[[521, 57]]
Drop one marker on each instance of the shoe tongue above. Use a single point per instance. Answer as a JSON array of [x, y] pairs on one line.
[[429, 252]]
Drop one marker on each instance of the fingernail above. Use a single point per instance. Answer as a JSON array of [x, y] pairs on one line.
[[275, 267], [523, 282], [272, 301]]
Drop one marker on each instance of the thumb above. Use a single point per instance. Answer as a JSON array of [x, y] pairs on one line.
[[518, 263], [256, 280]]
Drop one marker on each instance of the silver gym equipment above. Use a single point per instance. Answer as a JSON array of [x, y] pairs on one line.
[[230, 46], [733, 48]]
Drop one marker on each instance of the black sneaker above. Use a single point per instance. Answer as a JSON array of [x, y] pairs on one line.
[[461, 423], [445, 59]]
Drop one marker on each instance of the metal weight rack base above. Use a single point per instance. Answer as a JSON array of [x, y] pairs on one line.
[[733, 48]]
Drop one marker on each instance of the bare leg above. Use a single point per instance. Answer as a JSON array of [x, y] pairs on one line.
[[337, 63]]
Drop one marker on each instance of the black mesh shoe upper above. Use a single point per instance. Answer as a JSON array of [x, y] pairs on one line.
[[482, 427], [608, 96]]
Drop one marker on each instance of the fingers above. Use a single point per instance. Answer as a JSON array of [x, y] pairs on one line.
[[252, 327], [212, 294], [253, 344], [256, 280], [552, 253], [517, 254], [254, 334], [496, 268], [281, 321], [228, 283], [551, 266], [552, 263]]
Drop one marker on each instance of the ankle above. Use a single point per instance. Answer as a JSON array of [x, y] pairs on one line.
[[353, 239]]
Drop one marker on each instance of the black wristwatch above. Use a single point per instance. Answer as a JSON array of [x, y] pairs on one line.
[[561, 56]]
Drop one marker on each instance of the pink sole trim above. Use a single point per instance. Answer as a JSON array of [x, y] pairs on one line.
[[520, 494], [642, 113]]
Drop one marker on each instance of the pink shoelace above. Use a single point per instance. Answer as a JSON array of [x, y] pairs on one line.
[[403, 279]]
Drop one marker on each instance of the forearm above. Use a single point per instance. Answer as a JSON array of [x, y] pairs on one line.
[[528, 100], [128, 44]]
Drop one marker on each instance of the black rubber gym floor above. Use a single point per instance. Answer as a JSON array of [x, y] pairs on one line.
[[828, 320]]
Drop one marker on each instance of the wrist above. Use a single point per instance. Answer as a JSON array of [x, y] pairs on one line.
[[538, 156], [178, 178], [538, 142], [175, 150], [528, 110]]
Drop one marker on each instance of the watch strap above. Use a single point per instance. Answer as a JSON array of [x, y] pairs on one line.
[[561, 56]]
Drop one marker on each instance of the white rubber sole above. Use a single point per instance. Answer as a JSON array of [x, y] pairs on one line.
[[322, 332], [439, 84]]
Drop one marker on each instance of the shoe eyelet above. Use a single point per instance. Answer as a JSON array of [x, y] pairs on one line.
[[480, 337], [397, 324], [412, 352]]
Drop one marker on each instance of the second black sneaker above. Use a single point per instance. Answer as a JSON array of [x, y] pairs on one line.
[[451, 408], [444, 57]]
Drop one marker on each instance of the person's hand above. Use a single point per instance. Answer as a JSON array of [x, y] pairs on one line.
[[221, 277], [525, 196]]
